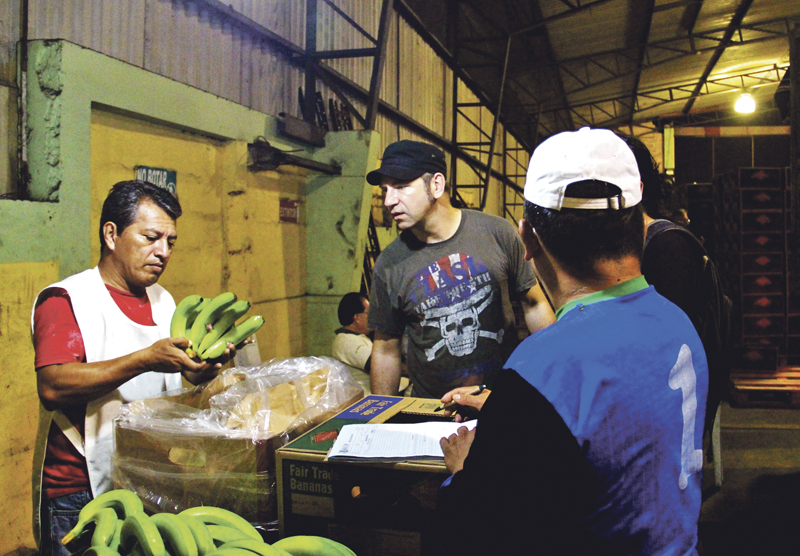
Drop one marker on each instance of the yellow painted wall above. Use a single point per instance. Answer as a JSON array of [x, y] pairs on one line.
[[19, 404], [229, 237]]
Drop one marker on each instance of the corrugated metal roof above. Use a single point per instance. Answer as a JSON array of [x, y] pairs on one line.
[[615, 63]]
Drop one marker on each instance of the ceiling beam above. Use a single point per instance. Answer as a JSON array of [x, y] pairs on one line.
[[542, 22], [679, 92], [647, 17], [683, 45], [736, 21]]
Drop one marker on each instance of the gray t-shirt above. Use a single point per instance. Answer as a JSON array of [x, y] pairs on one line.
[[452, 299]]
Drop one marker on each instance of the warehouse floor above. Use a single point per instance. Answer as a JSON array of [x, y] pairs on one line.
[[757, 509]]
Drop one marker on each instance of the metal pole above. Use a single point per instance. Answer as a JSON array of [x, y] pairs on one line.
[[310, 93], [377, 65], [794, 153], [494, 125]]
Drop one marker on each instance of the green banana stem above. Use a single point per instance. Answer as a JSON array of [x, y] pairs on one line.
[[122, 501], [105, 527]]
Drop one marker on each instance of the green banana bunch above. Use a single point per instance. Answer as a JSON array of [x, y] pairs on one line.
[[123, 502], [138, 530], [202, 538], [209, 315], [194, 314], [309, 545], [176, 534], [187, 310], [213, 516], [226, 320], [236, 335]]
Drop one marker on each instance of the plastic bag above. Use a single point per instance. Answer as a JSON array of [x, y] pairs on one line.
[[214, 444]]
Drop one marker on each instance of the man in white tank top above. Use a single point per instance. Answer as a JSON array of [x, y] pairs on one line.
[[102, 339]]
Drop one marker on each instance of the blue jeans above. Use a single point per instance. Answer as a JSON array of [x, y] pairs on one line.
[[59, 516]]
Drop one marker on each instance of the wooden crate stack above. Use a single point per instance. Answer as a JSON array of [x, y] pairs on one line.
[[761, 375]]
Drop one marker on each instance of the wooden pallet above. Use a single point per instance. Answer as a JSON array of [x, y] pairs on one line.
[[777, 389]]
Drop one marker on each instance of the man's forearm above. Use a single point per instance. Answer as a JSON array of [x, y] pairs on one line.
[[79, 383], [385, 376], [385, 365]]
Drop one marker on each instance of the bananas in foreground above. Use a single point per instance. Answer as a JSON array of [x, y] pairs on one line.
[[113, 524], [194, 314]]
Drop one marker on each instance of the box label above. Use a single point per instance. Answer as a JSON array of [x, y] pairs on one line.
[[309, 488], [325, 436], [313, 506], [369, 407]]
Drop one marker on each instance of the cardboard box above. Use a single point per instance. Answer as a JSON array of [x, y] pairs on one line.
[[173, 465], [374, 508]]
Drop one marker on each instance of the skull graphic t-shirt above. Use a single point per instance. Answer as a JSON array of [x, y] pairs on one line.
[[453, 300]]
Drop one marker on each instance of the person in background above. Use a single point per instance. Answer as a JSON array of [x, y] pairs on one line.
[[447, 281], [352, 345], [590, 442], [674, 262], [681, 217], [102, 339]]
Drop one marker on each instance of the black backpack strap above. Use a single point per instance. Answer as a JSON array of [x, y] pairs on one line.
[[658, 226]]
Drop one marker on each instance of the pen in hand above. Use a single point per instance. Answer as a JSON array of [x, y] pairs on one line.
[[475, 390]]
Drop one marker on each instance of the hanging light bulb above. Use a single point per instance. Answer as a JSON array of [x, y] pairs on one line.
[[746, 104]]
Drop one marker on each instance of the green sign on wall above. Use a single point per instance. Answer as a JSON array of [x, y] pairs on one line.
[[167, 179]]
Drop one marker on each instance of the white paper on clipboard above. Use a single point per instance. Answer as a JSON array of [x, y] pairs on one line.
[[394, 441]]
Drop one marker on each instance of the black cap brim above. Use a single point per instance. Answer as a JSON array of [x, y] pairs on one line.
[[403, 173]]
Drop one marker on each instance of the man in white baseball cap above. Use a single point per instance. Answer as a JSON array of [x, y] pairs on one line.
[[590, 442]]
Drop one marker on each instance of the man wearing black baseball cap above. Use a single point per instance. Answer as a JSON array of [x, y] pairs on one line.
[[447, 282]]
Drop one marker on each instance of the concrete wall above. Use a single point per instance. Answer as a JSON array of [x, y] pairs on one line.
[[92, 120]]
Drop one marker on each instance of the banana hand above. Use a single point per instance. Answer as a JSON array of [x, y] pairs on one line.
[[124, 503], [227, 319], [176, 534], [208, 315], [138, 529], [235, 336]]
